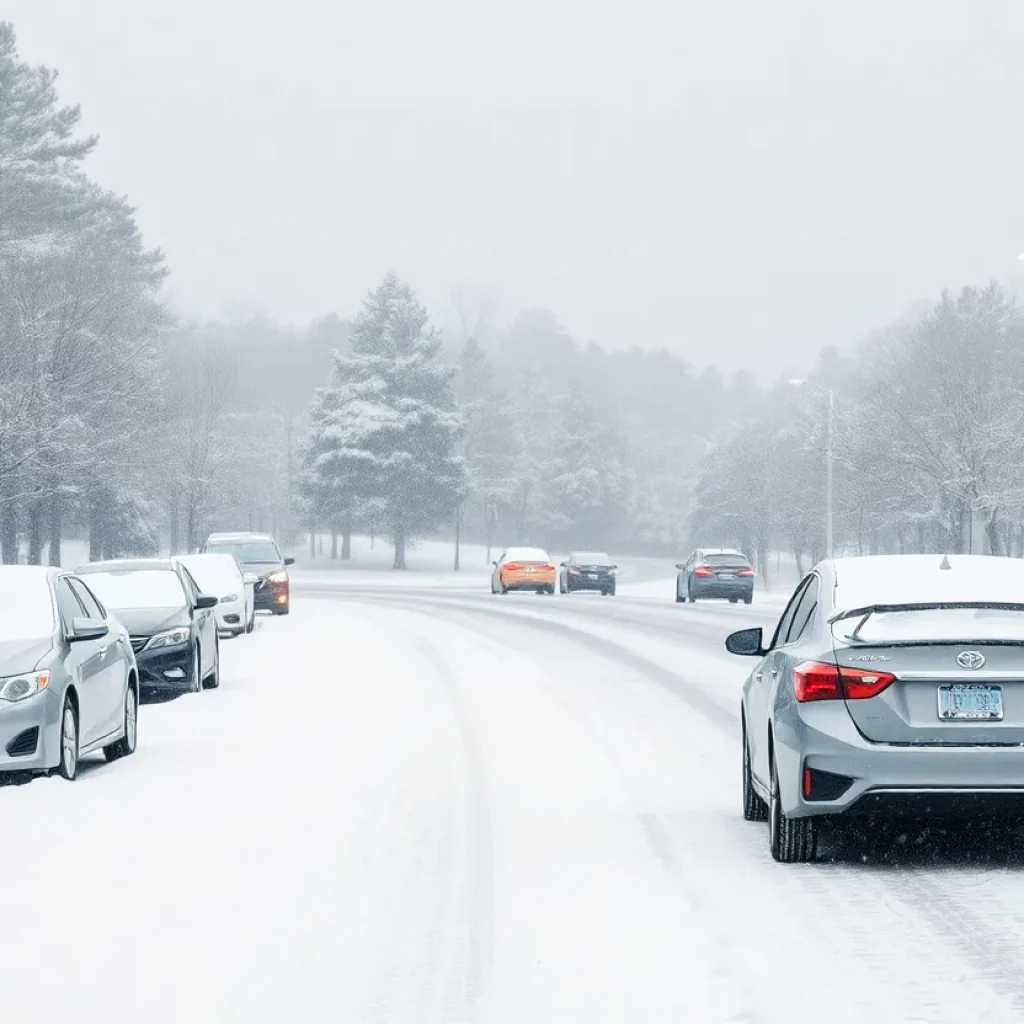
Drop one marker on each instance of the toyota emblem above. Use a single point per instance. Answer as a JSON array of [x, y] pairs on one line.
[[970, 659]]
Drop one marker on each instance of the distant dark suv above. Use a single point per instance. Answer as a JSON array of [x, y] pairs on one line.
[[715, 572], [259, 556], [588, 570]]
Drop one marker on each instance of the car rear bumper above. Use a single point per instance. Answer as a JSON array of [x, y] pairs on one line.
[[529, 581], [722, 588], [32, 727], [586, 583], [878, 778]]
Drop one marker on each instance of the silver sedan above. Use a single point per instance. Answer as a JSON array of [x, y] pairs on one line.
[[68, 681], [893, 685]]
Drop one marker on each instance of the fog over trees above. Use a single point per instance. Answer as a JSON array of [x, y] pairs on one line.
[[121, 425]]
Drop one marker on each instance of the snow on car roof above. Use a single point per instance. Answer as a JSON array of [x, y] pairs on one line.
[[528, 554], [918, 579]]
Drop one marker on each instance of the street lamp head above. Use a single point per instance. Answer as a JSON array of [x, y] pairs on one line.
[[797, 382]]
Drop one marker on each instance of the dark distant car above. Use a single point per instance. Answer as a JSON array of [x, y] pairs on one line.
[[258, 555], [171, 622], [68, 683], [589, 570], [715, 572]]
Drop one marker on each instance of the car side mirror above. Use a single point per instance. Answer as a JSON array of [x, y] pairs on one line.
[[679, 566], [495, 564], [289, 561], [87, 629], [206, 601], [746, 642], [562, 565]]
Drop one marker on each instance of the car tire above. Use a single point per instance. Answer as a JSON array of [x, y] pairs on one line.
[[608, 592], [689, 593], [212, 681], [679, 597], [754, 808], [67, 766], [197, 671], [126, 744], [792, 840], [282, 611], [747, 600]]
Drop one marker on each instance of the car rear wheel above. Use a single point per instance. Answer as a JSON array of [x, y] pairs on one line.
[[68, 765], [754, 808], [792, 840], [689, 592], [126, 744], [747, 600]]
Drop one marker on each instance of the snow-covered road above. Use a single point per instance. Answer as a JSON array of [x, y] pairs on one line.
[[408, 804]]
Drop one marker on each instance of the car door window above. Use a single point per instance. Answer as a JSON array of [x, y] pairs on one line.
[[68, 605], [787, 616], [88, 602], [803, 612]]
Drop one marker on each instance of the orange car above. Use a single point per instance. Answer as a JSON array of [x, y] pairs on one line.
[[524, 569]]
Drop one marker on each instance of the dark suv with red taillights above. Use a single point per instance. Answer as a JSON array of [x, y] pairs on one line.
[[259, 556], [715, 572]]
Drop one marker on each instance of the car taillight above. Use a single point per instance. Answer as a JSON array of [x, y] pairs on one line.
[[814, 680], [513, 566], [703, 570], [546, 568], [573, 572], [744, 572]]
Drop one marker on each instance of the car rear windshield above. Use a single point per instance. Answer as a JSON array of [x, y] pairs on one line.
[[252, 551], [140, 588], [725, 560], [592, 558], [933, 625], [26, 610], [526, 555]]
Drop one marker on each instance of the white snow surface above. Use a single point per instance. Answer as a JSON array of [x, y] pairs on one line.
[[419, 806]]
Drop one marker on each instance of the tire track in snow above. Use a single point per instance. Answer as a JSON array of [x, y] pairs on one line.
[[441, 944], [917, 896]]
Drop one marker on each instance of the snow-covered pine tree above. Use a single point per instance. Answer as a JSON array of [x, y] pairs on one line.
[[385, 431]]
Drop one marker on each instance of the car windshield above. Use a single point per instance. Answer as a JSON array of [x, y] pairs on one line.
[[933, 625], [26, 609], [724, 559], [138, 588], [591, 558], [214, 575], [252, 551]]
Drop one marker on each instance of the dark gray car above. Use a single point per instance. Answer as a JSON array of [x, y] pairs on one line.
[[171, 622], [892, 685], [715, 573], [68, 680]]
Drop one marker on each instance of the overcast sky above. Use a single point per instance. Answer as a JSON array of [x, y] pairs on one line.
[[734, 180]]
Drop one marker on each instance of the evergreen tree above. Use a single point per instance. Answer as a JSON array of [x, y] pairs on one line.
[[383, 441]]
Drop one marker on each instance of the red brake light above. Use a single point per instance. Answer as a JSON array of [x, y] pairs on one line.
[[813, 680], [744, 572], [513, 566], [546, 568], [703, 570]]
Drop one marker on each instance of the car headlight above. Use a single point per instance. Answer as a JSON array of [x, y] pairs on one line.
[[230, 599], [19, 687], [278, 577], [170, 638]]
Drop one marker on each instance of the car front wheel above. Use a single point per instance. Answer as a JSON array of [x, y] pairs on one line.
[[68, 766], [792, 840], [212, 681], [754, 808]]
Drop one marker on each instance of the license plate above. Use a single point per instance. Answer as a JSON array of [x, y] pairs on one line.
[[727, 575], [971, 701], [529, 570], [592, 575]]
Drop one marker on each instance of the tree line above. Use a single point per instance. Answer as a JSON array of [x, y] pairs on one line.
[[928, 444]]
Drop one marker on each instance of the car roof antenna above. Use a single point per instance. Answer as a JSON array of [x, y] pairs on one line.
[[944, 564]]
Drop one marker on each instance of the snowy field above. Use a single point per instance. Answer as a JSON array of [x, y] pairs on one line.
[[411, 805]]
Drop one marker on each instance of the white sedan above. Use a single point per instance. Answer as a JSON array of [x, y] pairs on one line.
[[221, 575]]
